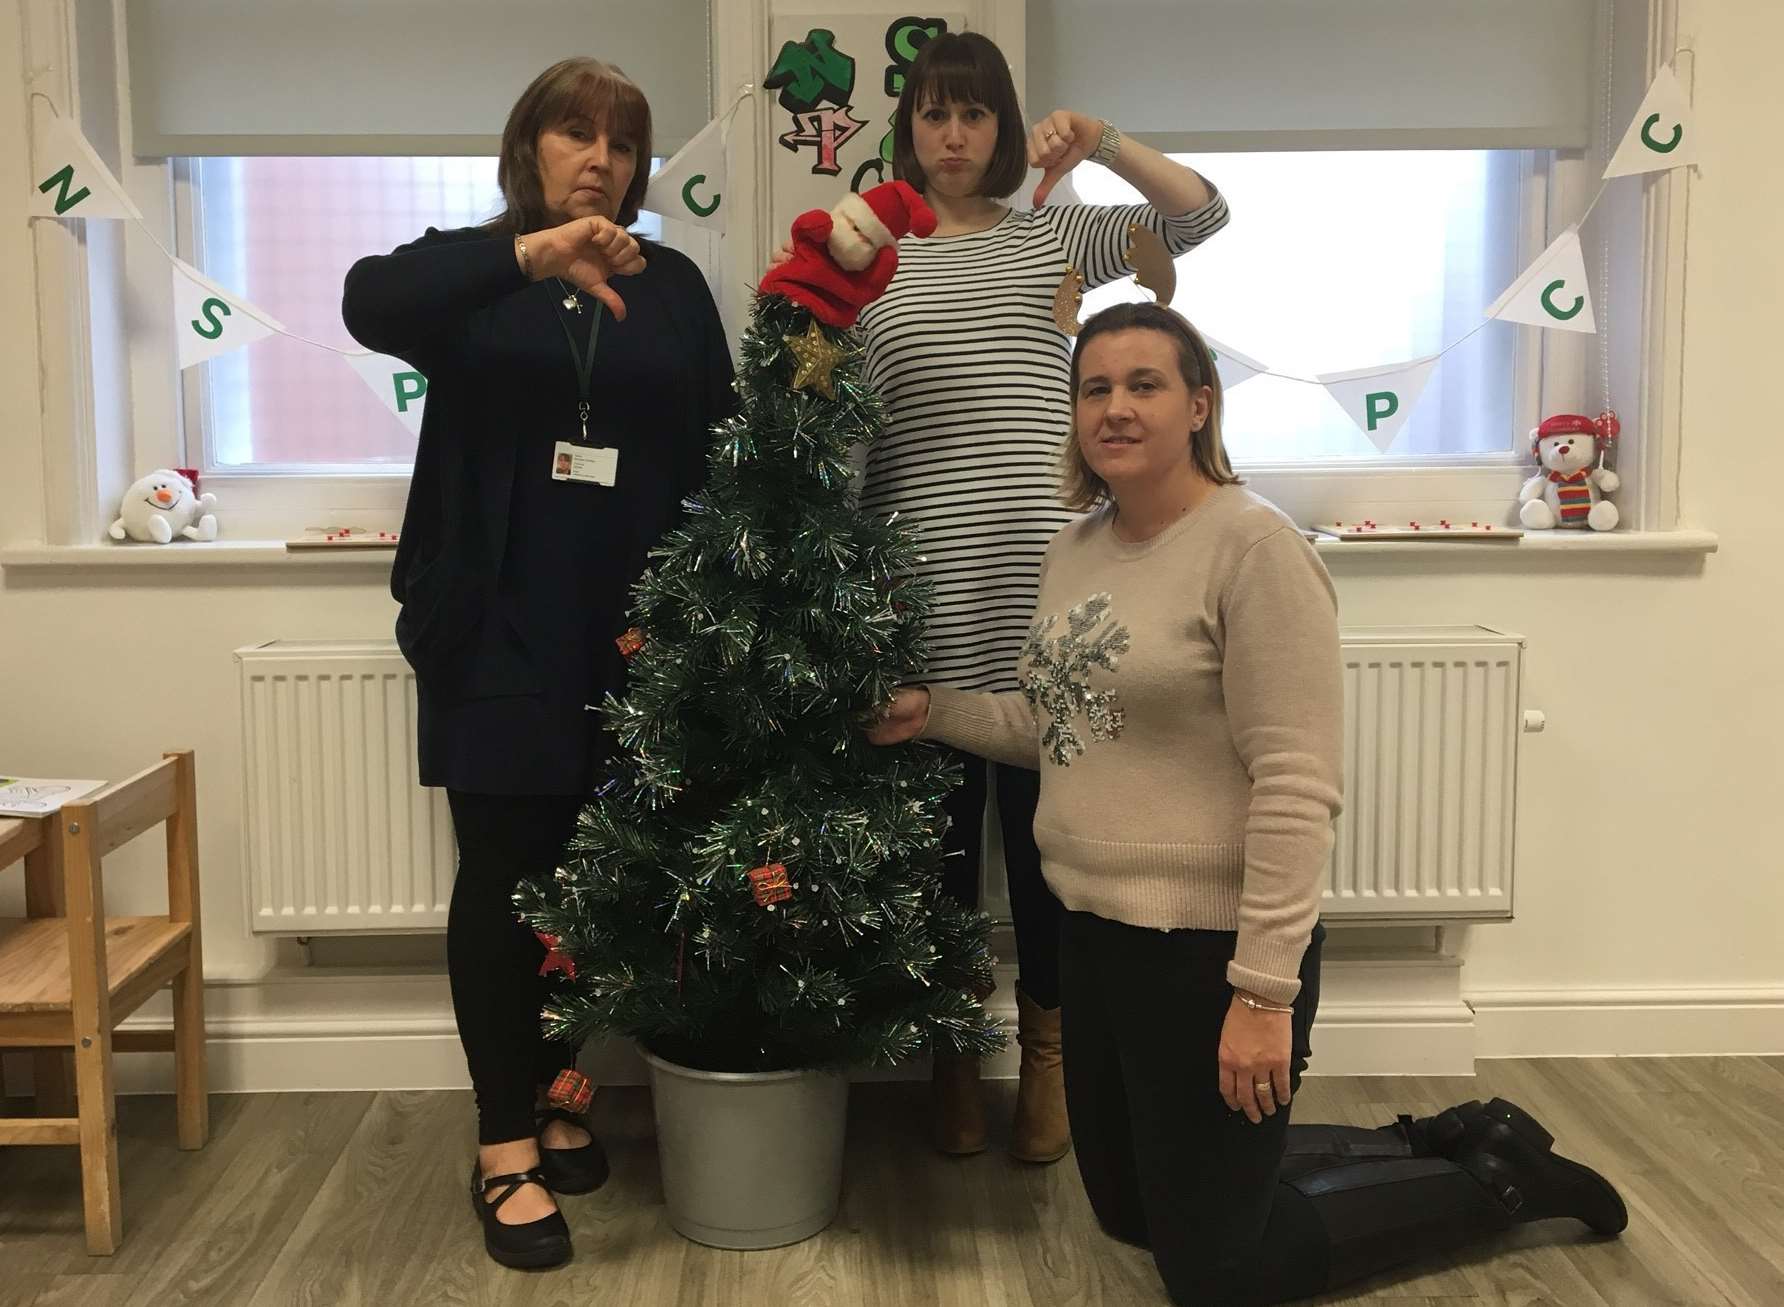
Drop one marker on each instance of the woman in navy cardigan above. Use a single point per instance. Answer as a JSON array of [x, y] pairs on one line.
[[573, 373]]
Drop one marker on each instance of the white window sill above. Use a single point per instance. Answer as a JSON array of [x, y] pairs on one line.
[[1549, 544], [191, 554]]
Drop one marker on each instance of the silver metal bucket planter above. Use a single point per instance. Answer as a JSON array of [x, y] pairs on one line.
[[750, 1159]]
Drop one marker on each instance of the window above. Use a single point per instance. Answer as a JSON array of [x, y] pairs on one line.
[[1338, 260], [282, 232]]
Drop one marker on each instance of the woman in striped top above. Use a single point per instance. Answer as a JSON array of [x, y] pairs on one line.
[[964, 348]]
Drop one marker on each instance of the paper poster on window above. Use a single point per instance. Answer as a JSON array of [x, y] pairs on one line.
[[835, 83], [1552, 292], [1380, 399], [398, 386]]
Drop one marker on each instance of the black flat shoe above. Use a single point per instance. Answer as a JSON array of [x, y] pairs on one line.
[[531, 1246], [571, 1170]]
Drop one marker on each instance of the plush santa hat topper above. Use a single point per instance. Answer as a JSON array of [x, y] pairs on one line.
[[1603, 429], [844, 259]]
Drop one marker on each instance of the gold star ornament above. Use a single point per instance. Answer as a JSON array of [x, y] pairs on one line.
[[818, 357]]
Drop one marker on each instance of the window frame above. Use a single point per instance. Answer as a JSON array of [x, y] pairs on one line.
[[86, 466]]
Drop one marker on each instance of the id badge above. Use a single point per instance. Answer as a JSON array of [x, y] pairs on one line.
[[584, 463]]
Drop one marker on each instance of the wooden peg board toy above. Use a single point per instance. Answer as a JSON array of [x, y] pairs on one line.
[[1442, 529], [345, 537]]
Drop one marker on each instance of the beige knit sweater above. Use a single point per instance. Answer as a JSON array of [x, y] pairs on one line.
[[1182, 700]]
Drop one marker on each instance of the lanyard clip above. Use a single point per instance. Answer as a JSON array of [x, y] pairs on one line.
[[582, 412]]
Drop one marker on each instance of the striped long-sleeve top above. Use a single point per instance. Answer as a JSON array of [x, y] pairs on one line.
[[976, 379]]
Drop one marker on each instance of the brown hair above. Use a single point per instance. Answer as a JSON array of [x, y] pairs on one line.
[[965, 68], [569, 91], [1081, 488]]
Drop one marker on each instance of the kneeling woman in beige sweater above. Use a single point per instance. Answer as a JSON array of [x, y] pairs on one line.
[[1181, 699]]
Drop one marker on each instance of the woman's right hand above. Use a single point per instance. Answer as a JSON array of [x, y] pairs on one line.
[[587, 252], [781, 255], [904, 718]]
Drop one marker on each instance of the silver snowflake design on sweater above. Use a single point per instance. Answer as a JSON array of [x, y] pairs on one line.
[[1056, 677]]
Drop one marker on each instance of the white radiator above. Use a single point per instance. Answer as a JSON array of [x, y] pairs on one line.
[[1431, 722], [341, 838]]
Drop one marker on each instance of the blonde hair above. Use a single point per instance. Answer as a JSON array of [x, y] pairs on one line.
[[1082, 489]]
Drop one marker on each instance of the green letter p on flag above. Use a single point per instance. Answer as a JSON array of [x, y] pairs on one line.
[[1380, 399], [397, 384]]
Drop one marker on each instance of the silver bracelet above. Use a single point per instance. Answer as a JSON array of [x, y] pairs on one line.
[[1108, 147], [526, 260], [1256, 1006]]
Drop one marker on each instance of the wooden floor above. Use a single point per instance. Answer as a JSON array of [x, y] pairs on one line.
[[338, 1200]]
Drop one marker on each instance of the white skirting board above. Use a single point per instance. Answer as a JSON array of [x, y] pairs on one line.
[[1378, 1016]]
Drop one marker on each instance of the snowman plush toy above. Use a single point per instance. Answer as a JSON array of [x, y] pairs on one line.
[[162, 505], [1570, 488]]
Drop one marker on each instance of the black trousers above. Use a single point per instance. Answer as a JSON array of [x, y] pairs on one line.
[[1034, 912], [493, 958], [1169, 1166]]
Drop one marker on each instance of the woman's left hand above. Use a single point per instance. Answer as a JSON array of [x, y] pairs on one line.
[[1254, 1048], [1060, 142]]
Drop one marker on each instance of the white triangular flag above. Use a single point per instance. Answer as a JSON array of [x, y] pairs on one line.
[[1663, 135], [1235, 368], [209, 321], [397, 384], [1552, 292], [69, 181], [1379, 400], [691, 186]]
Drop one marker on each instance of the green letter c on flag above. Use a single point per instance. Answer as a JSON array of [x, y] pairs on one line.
[[1380, 404], [409, 386], [1560, 314], [212, 326], [694, 206], [1661, 147]]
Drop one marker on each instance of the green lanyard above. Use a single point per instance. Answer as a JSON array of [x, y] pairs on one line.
[[585, 363]]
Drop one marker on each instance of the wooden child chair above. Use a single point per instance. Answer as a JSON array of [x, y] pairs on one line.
[[69, 973]]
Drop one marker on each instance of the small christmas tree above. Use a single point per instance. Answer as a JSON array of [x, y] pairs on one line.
[[756, 887]]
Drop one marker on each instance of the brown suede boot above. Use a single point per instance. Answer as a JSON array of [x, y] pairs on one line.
[[957, 1106], [1041, 1132]]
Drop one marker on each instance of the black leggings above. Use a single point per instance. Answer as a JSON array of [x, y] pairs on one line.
[[493, 958], [1034, 912], [1229, 1218]]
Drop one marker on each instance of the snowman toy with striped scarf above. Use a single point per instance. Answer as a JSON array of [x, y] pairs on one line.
[[1569, 491]]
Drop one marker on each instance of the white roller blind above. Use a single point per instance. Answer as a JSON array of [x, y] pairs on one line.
[[1322, 74], [436, 77]]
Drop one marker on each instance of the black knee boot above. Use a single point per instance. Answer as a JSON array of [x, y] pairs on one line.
[[1386, 1211]]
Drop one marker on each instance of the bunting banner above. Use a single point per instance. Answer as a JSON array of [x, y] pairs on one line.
[[691, 186], [1552, 292], [70, 181], [1663, 134], [209, 320], [815, 79], [1235, 368], [1379, 400], [398, 386]]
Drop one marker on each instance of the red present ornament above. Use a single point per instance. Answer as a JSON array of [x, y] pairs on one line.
[[769, 884], [572, 1091], [555, 957], [631, 642]]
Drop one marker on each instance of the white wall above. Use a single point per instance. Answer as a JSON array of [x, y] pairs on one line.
[[1650, 899]]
